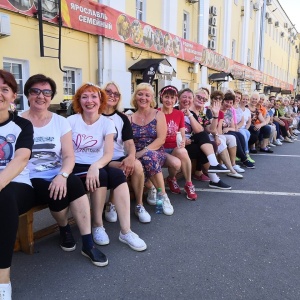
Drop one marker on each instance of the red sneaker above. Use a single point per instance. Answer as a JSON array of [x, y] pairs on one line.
[[190, 192], [202, 177], [173, 185]]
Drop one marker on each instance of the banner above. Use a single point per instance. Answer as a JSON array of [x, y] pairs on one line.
[[94, 18]]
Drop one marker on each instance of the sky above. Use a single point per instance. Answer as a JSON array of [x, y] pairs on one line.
[[292, 9]]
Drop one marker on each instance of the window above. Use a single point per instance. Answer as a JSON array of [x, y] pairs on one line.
[[233, 49], [140, 10], [185, 29], [18, 69], [71, 81], [248, 56], [184, 85], [251, 9], [236, 2]]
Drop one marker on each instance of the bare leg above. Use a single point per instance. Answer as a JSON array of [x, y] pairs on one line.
[[173, 164], [137, 182], [80, 209], [232, 155], [122, 203], [224, 155], [97, 202], [5, 275], [61, 217], [207, 149], [158, 182], [186, 165]]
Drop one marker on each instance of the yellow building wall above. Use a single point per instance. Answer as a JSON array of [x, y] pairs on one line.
[[79, 50]]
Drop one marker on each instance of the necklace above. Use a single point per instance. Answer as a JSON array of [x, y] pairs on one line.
[[144, 118]]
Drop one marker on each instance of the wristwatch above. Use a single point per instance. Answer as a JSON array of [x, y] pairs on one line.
[[216, 134], [63, 174]]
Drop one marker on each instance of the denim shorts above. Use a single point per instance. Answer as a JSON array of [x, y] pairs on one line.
[[169, 150]]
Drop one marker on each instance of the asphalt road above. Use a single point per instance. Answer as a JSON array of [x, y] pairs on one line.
[[239, 244]]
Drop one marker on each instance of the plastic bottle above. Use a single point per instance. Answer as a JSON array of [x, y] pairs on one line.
[[159, 202], [178, 138]]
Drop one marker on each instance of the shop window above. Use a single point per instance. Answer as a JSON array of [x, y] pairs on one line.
[[71, 81], [233, 49], [20, 71]]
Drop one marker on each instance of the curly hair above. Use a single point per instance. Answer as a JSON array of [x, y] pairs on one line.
[[89, 87]]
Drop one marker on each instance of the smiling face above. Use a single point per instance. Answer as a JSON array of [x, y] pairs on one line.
[[38, 101], [245, 100], [144, 98], [168, 100], [186, 100], [113, 95], [7, 96], [227, 104], [254, 99], [200, 99], [90, 102]]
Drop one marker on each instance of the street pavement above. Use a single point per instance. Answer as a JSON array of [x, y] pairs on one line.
[[238, 244]]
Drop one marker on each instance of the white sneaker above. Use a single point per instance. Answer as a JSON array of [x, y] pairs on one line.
[[277, 142], [110, 213], [100, 236], [133, 241], [238, 169], [142, 214], [151, 198], [167, 206], [235, 175], [5, 291], [223, 165]]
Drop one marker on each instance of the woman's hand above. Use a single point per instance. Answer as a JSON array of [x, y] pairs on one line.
[[186, 112], [139, 154], [217, 140], [92, 181], [225, 130], [188, 141], [58, 187], [127, 165], [215, 108], [182, 144]]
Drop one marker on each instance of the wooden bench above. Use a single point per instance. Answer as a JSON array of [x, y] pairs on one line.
[[26, 236]]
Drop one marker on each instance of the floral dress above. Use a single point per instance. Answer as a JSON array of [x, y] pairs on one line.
[[152, 160]]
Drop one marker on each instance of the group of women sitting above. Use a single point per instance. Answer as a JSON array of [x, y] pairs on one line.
[[49, 159]]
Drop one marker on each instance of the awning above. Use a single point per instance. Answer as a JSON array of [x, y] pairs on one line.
[[150, 67], [219, 78], [271, 89]]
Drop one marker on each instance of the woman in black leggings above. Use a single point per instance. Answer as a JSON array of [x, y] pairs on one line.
[[16, 193]]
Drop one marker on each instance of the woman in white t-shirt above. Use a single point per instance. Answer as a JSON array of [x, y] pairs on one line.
[[93, 140], [50, 165], [16, 192]]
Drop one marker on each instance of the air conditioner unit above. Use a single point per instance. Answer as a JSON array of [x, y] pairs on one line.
[[277, 24], [212, 44], [270, 21], [256, 6], [4, 25], [242, 11], [290, 29], [282, 34], [212, 31], [213, 10], [213, 21], [267, 15], [285, 25], [249, 64], [297, 50], [193, 1], [269, 2]]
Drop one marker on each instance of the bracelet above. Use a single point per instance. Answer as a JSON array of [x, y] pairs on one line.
[[215, 117], [190, 115], [146, 148]]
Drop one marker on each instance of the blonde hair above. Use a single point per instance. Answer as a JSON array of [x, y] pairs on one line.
[[119, 107], [140, 87]]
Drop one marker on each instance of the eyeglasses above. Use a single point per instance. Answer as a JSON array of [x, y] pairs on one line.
[[111, 93], [218, 98], [37, 92], [201, 98]]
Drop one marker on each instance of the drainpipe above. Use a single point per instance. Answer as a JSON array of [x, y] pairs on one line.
[[100, 56], [261, 38]]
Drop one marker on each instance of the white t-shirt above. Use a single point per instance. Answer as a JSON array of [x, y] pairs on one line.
[[240, 113], [88, 140], [45, 161]]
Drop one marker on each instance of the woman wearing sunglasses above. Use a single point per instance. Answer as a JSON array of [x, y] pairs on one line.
[[124, 153], [16, 193], [51, 164]]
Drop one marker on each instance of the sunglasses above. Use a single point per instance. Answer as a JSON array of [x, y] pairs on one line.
[[111, 93], [37, 92], [201, 98]]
